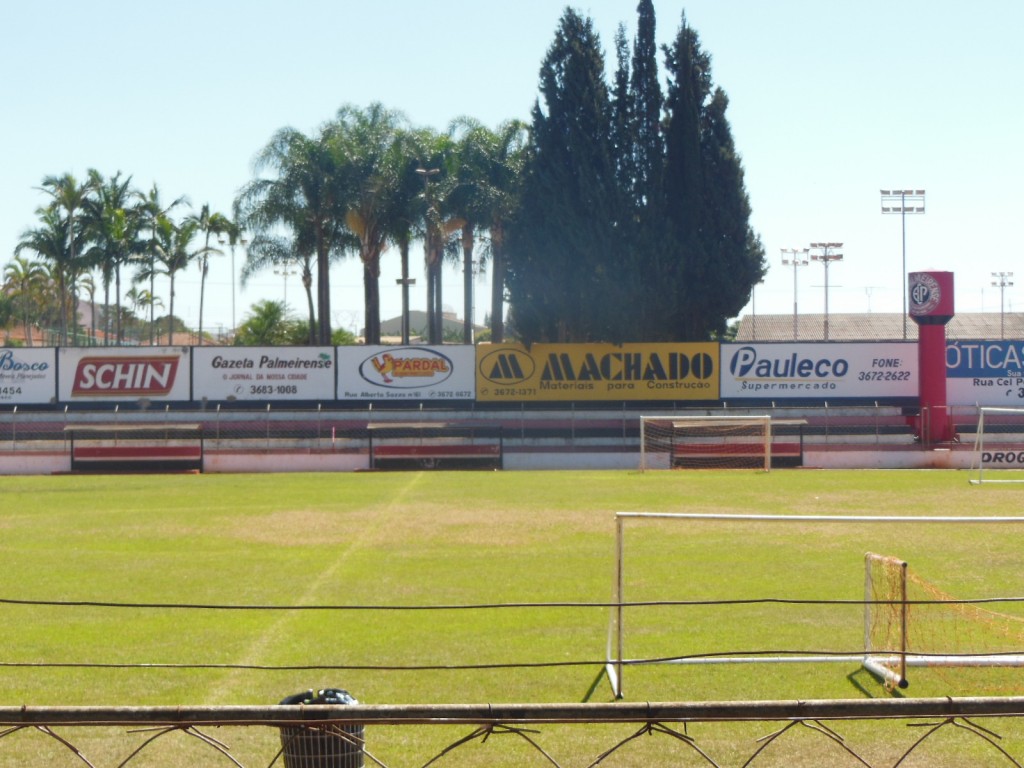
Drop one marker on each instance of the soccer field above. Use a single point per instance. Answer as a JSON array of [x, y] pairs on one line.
[[230, 589]]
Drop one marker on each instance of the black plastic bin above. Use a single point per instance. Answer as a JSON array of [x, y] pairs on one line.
[[322, 746]]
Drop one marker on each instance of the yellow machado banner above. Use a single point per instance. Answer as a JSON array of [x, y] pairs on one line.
[[510, 372]]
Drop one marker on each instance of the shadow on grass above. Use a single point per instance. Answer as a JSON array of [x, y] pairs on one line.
[[870, 685]]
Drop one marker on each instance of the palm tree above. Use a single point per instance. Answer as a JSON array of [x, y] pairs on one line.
[[153, 210], [370, 145], [268, 324], [269, 251], [491, 166], [440, 183], [23, 280], [173, 254], [68, 195], [408, 212], [51, 242], [140, 301], [303, 198], [115, 218], [209, 224]]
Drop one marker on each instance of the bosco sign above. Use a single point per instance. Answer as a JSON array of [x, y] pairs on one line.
[[28, 376], [512, 373]]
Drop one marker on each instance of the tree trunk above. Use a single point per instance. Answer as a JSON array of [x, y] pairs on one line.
[[497, 285], [467, 283], [371, 295]]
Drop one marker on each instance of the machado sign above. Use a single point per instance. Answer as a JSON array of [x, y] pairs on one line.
[[511, 372]]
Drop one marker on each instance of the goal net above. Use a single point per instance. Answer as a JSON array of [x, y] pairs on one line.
[[706, 442], [998, 455], [911, 622], [718, 575]]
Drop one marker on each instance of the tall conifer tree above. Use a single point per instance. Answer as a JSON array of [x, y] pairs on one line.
[[563, 272]]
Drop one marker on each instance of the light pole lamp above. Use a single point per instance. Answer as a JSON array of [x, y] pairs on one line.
[[284, 269], [234, 238], [798, 257], [425, 174], [826, 253], [1002, 281], [903, 201]]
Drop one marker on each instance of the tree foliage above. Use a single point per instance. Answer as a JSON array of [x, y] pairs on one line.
[[635, 219]]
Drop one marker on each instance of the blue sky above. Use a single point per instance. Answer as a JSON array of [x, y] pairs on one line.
[[829, 102]]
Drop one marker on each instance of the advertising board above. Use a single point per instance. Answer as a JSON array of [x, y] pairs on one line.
[[513, 373], [985, 373], [807, 371], [263, 373], [406, 373], [28, 376], [123, 373]]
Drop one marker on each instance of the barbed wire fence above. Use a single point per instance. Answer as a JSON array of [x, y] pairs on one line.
[[907, 726], [696, 730]]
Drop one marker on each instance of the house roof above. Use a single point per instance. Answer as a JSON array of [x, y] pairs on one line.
[[875, 326]]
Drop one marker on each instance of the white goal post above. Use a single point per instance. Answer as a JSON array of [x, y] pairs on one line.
[[705, 442], [998, 446], [888, 662]]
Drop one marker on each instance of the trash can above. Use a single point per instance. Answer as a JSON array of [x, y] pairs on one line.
[[322, 746]]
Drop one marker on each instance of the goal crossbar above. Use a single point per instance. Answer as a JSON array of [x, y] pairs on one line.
[[996, 459], [718, 441], [879, 664]]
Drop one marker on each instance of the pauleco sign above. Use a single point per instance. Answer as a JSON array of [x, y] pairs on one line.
[[789, 371]]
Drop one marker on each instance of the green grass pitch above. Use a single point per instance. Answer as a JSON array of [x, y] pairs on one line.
[[447, 538]]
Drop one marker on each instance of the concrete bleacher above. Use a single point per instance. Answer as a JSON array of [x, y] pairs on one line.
[[235, 440]]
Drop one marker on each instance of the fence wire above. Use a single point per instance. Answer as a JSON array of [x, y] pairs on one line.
[[872, 733]]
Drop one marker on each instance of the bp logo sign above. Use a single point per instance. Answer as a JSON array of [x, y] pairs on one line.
[[925, 294]]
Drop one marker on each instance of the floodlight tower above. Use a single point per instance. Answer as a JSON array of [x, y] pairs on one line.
[[1001, 280], [826, 253], [798, 257], [903, 201]]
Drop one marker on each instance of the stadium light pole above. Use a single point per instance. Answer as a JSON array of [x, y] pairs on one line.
[[903, 201], [425, 174], [231, 242], [1001, 280], [798, 257], [284, 268], [826, 253]]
